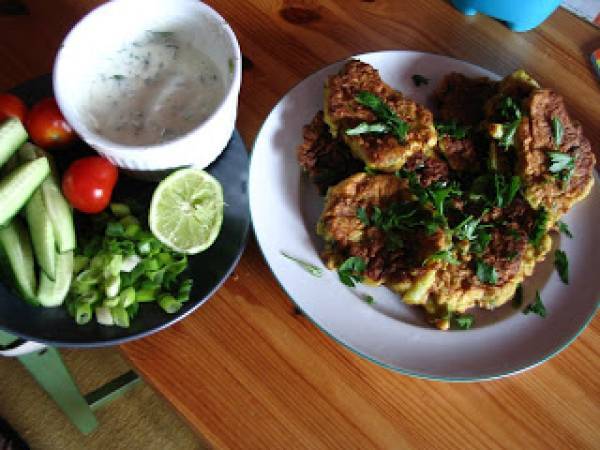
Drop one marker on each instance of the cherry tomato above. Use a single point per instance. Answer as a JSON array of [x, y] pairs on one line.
[[46, 125], [12, 106], [88, 183]]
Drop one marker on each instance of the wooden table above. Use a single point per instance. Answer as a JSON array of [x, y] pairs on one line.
[[245, 370]]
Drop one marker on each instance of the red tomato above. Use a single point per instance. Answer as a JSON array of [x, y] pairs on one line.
[[12, 106], [46, 125], [88, 183]]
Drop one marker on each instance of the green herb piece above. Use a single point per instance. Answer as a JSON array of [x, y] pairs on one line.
[[558, 131], [384, 113], [163, 34], [393, 242], [117, 77], [486, 273], [564, 229], [311, 269], [369, 299], [513, 187], [562, 165], [452, 129], [362, 215], [364, 127], [517, 300], [537, 307], [442, 255], [418, 80], [561, 263], [482, 240], [539, 227], [508, 134], [466, 230], [463, 321], [351, 270], [509, 109], [370, 170]]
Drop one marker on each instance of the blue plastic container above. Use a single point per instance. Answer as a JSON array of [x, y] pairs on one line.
[[519, 15]]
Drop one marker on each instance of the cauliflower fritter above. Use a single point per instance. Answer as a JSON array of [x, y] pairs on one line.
[[381, 151], [555, 175], [325, 159]]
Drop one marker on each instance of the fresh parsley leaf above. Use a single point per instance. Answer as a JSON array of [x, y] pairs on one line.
[[517, 300], [508, 133], [539, 227], [509, 109], [362, 215], [364, 127], [481, 242], [452, 129], [466, 229], [560, 161], [513, 188], [384, 113], [561, 263], [486, 273], [463, 321], [558, 131], [351, 270], [369, 299], [442, 255], [564, 229], [117, 77], [313, 270], [439, 193], [419, 79], [393, 242], [537, 307], [562, 165]]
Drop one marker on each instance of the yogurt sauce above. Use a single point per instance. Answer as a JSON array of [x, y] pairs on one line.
[[153, 90]]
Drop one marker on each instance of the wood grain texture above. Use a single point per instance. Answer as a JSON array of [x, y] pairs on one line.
[[245, 370]]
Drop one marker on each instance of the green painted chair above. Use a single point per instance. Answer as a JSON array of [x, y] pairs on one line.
[[48, 369]]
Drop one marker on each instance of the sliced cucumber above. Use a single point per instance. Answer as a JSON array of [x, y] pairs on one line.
[[12, 136], [61, 215], [42, 234], [57, 207], [17, 187], [53, 293], [17, 250]]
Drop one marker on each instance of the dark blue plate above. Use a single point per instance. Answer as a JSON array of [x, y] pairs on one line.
[[209, 269]]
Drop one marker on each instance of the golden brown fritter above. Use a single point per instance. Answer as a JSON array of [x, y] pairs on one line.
[[326, 160], [388, 257], [379, 151], [462, 99], [555, 191]]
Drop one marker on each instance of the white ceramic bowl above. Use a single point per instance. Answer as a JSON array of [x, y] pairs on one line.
[[116, 23]]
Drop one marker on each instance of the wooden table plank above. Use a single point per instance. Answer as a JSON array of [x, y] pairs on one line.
[[245, 370]]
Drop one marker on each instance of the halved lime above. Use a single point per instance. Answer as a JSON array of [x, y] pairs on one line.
[[186, 211]]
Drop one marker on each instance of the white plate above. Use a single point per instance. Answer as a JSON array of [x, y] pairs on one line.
[[285, 207]]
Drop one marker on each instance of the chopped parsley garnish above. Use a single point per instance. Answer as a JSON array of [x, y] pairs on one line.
[[558, 131], [562, 165], [517, 300], [351, 270], [369, 299], [118, 77], [561, 263], [393, 242], [466, 230], [564, 229], [463, 321], [362, 215], [313, 270], [509, 111], [370, 170], [398, 127], [452, 129], [486, 273], [442, 255], [481, 242], [508, 133], [419, 79], [539, 227], [495, 189], [364, 127], [537, 307]]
